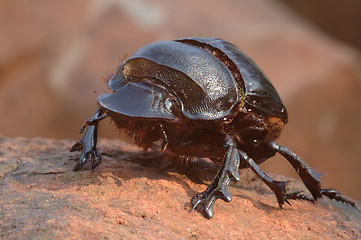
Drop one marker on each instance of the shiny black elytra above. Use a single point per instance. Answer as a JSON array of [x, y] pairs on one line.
[[205, 98]]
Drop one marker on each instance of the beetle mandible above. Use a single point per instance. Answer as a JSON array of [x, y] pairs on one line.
[[205, 98]]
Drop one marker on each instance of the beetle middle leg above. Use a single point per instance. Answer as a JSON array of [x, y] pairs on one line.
[[278, 187], [310, 178], [219, 186], [87, 144]]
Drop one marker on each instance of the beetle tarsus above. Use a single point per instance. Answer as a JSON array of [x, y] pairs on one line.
[[298, 195], [219, 186], [336, 195], [87, 144]]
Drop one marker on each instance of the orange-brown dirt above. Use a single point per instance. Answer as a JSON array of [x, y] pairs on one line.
[[131, 196]]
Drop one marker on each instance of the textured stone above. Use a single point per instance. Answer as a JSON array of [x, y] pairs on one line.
[[129, 196]]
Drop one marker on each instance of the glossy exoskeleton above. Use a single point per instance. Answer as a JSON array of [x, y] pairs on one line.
[[205, 98]]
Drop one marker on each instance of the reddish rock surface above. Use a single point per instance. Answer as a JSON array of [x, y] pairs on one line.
[[129, 197], [53, 55]]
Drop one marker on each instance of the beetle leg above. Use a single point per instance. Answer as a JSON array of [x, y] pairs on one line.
[[87, 144], [310, 178], [278, 187], [333, 194], [94, 120], [298, 195], [219, 186]]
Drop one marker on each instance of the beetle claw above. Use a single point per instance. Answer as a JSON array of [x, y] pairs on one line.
[[87, 144], [96, 159], [82, 160], [88, 147], [279, 189], [199, 200], [209, 198], [219, 186]]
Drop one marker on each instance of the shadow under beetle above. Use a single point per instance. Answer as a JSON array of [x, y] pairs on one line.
[[205, 98]]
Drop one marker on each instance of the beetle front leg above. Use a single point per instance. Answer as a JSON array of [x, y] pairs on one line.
[[219, 186], [87, 144], [310, 178]]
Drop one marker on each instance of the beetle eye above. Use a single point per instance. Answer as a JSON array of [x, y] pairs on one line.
[[168, 104], [171, 105]]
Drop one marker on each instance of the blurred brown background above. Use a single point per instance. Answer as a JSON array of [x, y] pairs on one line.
[[54, 55]]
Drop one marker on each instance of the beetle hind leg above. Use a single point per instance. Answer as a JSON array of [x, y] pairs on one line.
[[333, 194], [87, 144], [310, 178], [219, 186]]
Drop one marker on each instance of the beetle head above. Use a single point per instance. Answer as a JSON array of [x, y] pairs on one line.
[[141, 100]]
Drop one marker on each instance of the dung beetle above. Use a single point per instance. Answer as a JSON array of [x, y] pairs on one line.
[[201, 98]]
